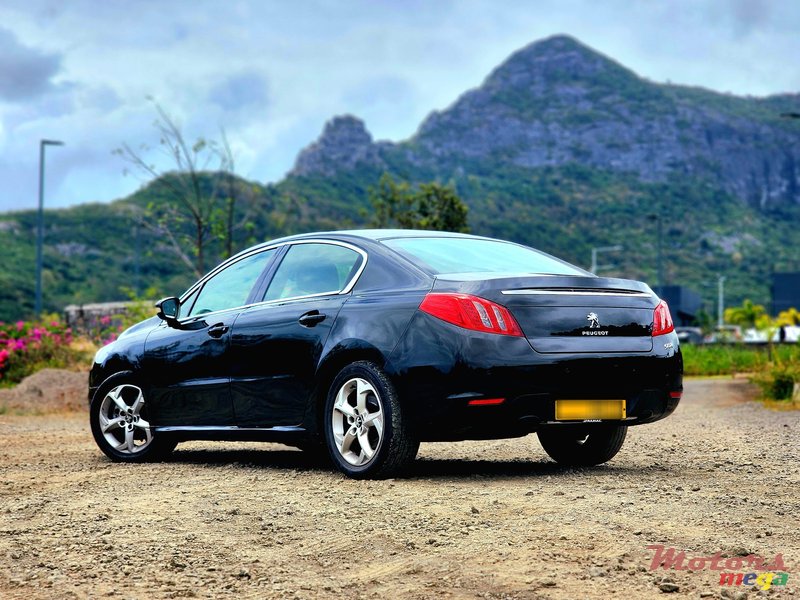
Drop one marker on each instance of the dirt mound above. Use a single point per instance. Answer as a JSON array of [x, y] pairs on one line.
[[47, 391]]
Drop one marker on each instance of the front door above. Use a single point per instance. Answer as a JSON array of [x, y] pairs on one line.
[[187, 366]]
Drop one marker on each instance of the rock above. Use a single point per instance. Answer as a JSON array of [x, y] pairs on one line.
[[668, 588], [344, 144]]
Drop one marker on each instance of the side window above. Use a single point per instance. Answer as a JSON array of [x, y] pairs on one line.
[[188, 302], [230, 287], [313, 269]]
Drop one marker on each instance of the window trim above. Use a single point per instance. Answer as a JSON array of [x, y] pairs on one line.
[[279, 256]]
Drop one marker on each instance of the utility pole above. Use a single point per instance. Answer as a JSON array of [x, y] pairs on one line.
[[720, 301], [659, 251], [596, 251], [40, 224]]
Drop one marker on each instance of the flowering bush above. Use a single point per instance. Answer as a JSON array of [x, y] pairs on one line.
[[26, 347]]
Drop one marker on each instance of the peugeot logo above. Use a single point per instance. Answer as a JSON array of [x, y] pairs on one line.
[[594, 322]]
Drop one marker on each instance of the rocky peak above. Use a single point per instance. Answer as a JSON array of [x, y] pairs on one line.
[[554, 59], [344, 143]]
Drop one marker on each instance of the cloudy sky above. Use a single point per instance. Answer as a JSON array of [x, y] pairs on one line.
[[273, 72]]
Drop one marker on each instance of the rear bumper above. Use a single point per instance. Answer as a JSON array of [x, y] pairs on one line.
[[438, 369]]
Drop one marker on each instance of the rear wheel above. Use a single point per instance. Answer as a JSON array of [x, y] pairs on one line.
[[118, 417], [580, 445], [366, 431]]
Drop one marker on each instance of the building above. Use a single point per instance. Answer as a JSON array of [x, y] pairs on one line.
[[684, 303], [785, 291]]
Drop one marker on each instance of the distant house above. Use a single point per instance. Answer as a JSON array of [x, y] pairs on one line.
[[785, 291], [684, 303]]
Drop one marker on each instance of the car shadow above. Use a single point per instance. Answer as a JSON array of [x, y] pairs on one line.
[[422, 468]]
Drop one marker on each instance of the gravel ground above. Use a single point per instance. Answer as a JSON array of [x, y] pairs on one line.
[[473, 519]]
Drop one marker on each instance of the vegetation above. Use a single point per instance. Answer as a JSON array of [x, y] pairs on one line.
[[192, 211], [27, 347], [428, 206]]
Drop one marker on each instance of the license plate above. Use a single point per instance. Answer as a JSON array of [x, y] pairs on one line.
[[581, 410]]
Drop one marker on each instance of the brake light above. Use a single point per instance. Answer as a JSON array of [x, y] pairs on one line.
[[471, 312], [662, 320]]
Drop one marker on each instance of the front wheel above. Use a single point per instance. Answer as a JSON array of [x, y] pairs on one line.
[[118, 417], [582, 446], [367, 433]]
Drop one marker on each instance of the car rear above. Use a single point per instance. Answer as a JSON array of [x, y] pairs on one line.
[[497, 355]]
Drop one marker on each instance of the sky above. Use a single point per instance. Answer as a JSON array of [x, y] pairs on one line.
[[271, 73]]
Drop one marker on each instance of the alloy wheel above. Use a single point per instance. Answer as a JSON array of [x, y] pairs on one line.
[[121, 422], [357, 421]]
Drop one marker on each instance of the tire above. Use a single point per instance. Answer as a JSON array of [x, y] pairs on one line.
[[118, 417], [582, 446], [367, 434]]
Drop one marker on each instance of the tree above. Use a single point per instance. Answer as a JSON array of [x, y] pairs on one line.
[[746, 315], [429, 206], [789, 317], [190, 212]]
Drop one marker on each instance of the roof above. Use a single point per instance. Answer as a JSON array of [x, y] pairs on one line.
[[383, 234]]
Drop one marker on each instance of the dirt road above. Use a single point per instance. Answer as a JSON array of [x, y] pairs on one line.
[[476, 519]]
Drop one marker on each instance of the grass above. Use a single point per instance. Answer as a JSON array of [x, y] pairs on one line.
[[730, 359]]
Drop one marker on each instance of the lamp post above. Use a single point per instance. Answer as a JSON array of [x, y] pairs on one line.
[[598, 250], [40, 224], [720, 300]]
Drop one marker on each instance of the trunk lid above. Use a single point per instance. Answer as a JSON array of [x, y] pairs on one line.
[[569, 314]]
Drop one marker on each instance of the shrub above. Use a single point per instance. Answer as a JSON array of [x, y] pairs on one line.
[[26, 347], [777, 380]]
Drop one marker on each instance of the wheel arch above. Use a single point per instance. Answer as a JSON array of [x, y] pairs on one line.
[[344, 353]]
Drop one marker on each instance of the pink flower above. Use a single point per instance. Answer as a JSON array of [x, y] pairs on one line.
[[54, 323], [105, 320], [20, 325], [3, 355]]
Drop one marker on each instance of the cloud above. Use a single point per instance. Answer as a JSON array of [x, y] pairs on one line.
[[25, 72], [242, 90]]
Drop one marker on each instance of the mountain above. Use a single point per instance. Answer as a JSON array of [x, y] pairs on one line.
[[558, 102], [560, 147]]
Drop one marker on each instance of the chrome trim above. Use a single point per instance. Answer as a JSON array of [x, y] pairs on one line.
[[346, 290], [227, 428], [575, 293]]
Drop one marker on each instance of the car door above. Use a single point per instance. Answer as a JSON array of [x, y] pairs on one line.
[[188, 366], [276, 345]]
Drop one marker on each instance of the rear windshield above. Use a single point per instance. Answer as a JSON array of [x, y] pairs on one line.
[[445, 256]]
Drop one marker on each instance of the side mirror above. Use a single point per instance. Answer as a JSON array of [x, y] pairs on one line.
[[168, 310]]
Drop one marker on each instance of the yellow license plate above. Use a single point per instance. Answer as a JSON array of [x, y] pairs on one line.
[[581, 410]]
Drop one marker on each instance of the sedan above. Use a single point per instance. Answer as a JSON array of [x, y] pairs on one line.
[[361, 344]]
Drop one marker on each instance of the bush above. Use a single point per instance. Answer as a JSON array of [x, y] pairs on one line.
[[26, 347], [777, 381]]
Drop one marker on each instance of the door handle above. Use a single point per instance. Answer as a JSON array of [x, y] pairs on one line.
[[311, 318], [218, 330]]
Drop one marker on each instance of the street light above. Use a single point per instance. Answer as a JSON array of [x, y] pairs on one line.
[[40, 226], [720, 300], [599, 249]]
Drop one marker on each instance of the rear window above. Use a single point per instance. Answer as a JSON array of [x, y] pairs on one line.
[[445, 256]]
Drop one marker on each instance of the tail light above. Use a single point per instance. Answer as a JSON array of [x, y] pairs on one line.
[[471, 312], [662, 320]]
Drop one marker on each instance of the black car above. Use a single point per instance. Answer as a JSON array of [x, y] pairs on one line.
[[365, 343]]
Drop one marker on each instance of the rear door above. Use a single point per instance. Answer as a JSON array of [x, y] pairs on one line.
[[276, 345]]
